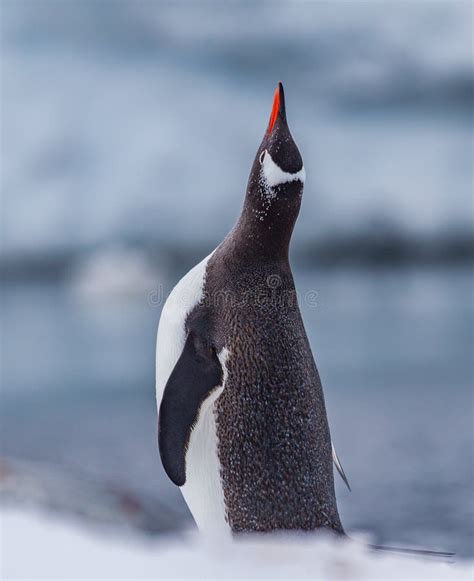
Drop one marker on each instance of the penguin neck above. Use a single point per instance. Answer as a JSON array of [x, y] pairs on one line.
[[265, 226]]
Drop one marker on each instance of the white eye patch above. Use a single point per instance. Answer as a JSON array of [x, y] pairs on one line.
[[274, 175]]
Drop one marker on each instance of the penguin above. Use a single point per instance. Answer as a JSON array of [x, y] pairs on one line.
[[242, 423]]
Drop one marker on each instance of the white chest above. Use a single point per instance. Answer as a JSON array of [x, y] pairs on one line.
[[203, 487], [203, 490]]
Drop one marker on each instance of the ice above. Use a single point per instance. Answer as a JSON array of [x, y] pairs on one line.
[[114, 273]]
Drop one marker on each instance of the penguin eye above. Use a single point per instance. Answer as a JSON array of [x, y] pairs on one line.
[[262, 156]]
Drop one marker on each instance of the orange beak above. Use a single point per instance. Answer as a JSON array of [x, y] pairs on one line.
[[275, 109]]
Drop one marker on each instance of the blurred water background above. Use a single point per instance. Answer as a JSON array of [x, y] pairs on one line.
[[128, 129]]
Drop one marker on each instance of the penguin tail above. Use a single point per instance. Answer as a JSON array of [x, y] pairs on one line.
[[417, 552]]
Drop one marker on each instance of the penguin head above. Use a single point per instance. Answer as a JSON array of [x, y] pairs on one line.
[[274, 190], [278, 170]]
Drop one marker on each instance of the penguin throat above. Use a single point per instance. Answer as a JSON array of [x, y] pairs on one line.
[[266, 224]]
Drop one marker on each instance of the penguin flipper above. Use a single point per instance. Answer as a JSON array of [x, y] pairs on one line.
[[196, 373], [340, 469]]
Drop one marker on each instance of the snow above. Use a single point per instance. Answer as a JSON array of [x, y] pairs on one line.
[[37, 546]]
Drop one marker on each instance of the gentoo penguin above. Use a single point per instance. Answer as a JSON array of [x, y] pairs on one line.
[[242, 425]]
